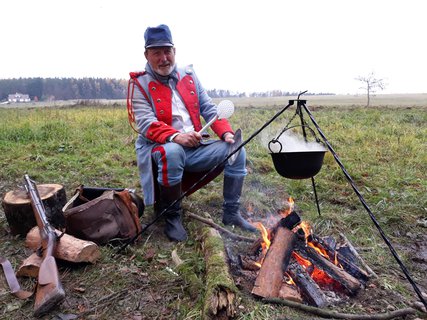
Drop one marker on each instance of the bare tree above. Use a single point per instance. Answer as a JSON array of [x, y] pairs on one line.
[[371, 84]]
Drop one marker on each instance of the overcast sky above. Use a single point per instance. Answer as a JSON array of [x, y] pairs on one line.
[[250, 45]]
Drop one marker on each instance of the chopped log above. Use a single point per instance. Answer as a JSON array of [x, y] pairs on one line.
[[289, 292], [348, 266], [255, 247], [345, 279], [69, 248], [270, 276], [290, 221], [20, 215], [30, 266], [249, 264], [310, 290]]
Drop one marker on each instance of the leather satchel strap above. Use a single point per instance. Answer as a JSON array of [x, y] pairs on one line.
[[12, 281], [133, 210]]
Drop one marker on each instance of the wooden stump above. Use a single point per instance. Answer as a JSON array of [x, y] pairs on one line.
[[20, 215]]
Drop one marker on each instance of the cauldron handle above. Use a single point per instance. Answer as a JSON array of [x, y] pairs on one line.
[[295, 126], [274, 141]]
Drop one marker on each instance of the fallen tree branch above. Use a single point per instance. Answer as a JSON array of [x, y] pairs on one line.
[[221, 295], [220, 298], [219, 228], [337, 315], [187, 272]]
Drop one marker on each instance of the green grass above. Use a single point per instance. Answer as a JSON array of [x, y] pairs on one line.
[[383, 149]]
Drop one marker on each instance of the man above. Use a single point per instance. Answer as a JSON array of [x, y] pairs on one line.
[[166, 103]]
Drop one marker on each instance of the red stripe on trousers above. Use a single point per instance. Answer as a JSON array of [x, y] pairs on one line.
[[165, 165]]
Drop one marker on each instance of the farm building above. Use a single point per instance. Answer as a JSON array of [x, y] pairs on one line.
[[18, 97]]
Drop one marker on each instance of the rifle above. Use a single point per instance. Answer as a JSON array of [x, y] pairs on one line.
[[49, 288]]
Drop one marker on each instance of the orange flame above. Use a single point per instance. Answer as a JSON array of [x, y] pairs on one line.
[[291, 204], [265, 244], [290, 281], [321, 277], [316, 274], [290, 208], [320, 250], [306, 227], [303, 262], [264, 234]]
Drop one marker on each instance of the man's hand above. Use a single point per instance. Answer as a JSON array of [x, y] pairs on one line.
[[229, 137], [189, 139]]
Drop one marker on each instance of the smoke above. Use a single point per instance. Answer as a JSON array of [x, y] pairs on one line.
[[291, 142]]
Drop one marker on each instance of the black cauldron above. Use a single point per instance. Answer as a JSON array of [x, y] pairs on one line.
[[299, 164]]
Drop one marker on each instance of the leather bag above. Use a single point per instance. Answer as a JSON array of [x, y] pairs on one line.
[[106, 218]]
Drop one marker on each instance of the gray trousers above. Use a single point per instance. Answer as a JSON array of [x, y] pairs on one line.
[[172, 159]]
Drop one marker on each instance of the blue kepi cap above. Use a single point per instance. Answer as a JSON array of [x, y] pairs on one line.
[[159, 36]]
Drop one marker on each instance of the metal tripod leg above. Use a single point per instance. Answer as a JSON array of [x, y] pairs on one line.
[[315, 195]]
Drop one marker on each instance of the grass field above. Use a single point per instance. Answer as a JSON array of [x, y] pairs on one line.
[[383, 148]]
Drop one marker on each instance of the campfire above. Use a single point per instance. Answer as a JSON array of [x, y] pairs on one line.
[[289, 261]]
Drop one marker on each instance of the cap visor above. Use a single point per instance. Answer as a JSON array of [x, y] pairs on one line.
[[160, 44]]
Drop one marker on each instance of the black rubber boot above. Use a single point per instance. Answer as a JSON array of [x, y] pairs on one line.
[[232, 190], [173, 228]]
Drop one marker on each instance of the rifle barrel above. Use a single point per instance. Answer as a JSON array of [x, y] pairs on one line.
[[49, 288]]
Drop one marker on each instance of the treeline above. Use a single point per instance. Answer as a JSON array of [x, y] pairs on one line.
[[273, 93], [46, 89]]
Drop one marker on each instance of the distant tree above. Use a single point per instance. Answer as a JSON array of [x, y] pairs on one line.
[[371, 84]]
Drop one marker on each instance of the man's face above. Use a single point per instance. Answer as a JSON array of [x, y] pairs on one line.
[[161, 59]]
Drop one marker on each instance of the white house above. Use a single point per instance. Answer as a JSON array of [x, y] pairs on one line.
[[18, 97]]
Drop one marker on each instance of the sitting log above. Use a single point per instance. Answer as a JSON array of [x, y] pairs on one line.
[[20, 215], [69, 248]]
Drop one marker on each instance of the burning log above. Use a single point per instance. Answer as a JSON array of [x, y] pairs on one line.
[[308, 287], [248, 264], [289, 292], [269, 279], [356, 254], [255, 247], [348, 266], [335, 272], [69, 248]]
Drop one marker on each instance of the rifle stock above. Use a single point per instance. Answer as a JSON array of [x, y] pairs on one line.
[[49, 288]]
